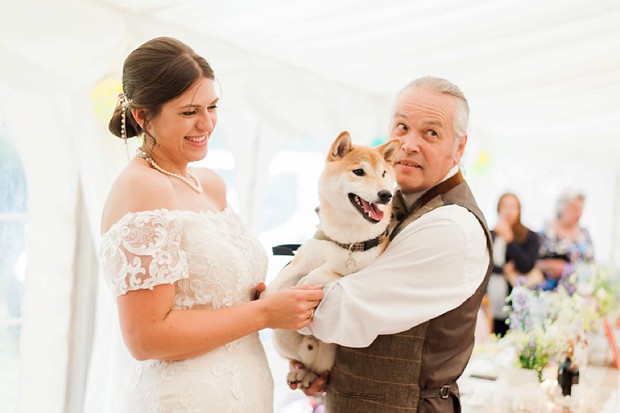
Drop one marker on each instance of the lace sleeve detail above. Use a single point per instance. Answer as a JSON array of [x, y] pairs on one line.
[[143, 250]]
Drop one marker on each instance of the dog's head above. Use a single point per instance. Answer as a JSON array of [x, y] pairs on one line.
[[357, 183]]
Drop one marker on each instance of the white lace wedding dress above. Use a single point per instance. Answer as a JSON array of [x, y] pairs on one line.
[[214, 262]]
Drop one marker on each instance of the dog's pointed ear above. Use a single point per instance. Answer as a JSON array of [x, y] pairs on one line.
[[341, 146], [390, 149]]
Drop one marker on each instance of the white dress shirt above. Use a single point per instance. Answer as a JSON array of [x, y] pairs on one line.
[[431, 267]]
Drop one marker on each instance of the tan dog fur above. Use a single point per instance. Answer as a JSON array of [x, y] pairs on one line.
[[320, 260]]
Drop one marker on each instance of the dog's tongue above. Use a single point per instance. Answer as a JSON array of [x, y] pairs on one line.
[[375, 213]]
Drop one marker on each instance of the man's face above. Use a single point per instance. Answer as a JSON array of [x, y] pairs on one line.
[[424, 122]]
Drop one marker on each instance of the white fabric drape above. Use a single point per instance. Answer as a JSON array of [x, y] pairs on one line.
[[52, 176]]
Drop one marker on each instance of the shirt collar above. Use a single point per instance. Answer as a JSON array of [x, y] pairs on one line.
[[414, 196]]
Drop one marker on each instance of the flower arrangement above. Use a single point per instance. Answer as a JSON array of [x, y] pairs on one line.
[[530, 328], [597, 284], [545, 324]]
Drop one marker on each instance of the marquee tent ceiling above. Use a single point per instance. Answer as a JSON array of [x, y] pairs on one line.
[[542, 78], [540, 73]]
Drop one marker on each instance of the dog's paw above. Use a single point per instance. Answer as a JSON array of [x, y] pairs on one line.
[[319, 277], [307, 280], [308, 379], [296, 376]]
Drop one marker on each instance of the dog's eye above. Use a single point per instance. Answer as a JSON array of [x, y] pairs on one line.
[[359, 172], [383, 174]]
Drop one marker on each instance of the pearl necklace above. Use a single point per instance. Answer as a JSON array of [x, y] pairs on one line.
[[195, 185]]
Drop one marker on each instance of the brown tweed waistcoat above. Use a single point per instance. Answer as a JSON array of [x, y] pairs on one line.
[[415, 370]]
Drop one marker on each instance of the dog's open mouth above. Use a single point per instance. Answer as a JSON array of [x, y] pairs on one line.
[[368, 210]]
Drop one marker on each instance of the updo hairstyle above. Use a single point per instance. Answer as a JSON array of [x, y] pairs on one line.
[[153, 74]]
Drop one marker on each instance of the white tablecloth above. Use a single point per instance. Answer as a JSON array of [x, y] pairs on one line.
[[518, 390]]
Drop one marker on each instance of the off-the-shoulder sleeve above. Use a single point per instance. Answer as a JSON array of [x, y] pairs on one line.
[[143, 250]]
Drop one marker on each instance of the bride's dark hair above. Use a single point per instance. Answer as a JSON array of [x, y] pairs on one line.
[[153, 74]]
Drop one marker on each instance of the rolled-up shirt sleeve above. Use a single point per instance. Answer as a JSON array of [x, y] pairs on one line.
[[431, 267]]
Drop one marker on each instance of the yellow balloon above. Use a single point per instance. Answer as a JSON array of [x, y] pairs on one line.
[[104, 98], [483, 163]]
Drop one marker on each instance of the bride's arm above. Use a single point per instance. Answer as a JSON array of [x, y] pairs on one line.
[[153, 330]]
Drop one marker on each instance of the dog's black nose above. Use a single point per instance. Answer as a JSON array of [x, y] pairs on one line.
[[384, 196]]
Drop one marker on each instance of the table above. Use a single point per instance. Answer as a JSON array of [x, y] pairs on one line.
[[519, 391]]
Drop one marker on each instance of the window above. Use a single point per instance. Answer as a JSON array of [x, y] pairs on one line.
[[13, 255], [289, 217]]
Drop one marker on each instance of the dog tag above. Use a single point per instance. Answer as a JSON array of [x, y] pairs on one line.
[[350, 263]]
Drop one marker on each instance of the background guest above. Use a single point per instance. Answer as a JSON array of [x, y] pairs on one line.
[[563, 242], [515, 250]]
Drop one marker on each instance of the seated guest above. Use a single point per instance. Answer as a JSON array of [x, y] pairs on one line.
[[564, 243], [515, 250]]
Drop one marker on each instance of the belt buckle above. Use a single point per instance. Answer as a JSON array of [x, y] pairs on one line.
[[444, 392]]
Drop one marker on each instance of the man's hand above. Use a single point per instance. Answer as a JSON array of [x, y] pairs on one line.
[[317, 387]]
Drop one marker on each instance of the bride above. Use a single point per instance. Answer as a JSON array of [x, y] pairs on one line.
[[179, 261]]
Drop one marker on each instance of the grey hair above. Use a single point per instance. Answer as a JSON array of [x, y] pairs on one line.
[[565, 198], [443, 86]]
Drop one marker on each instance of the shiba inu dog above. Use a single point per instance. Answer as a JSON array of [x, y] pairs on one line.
[[355, 190]]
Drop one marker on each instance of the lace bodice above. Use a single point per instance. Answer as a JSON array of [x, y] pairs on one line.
[[210, 256], [214, 262]]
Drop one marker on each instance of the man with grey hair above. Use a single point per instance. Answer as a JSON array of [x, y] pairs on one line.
[[405, 323]]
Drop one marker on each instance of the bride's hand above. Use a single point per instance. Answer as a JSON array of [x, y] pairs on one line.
[[291, 308]]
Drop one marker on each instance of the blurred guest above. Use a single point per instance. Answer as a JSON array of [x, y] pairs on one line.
[[515, 250], [564, 243]]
